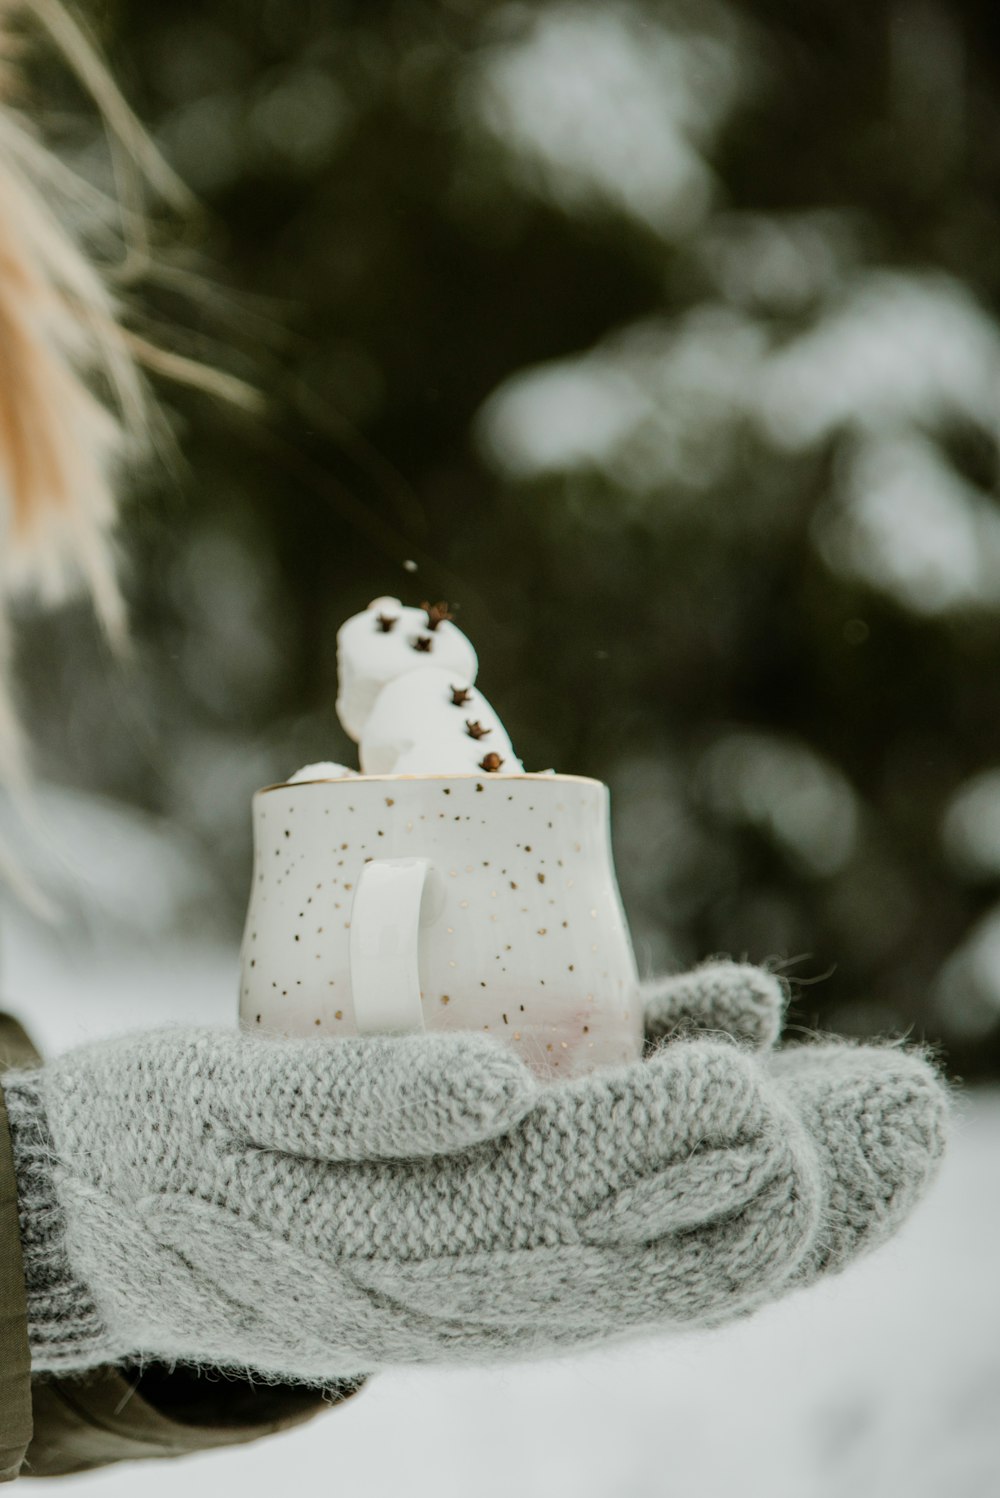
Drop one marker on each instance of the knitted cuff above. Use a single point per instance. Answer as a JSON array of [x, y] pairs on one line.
[[65, 1329]]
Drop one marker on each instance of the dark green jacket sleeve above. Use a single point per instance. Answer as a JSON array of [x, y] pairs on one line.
[[51, 1426]]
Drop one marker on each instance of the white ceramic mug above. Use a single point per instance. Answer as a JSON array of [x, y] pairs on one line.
[[395, 904]]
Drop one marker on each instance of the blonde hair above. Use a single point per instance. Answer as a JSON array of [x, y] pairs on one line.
[[74, 403]]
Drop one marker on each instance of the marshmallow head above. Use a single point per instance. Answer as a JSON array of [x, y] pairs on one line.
[[387, 641]]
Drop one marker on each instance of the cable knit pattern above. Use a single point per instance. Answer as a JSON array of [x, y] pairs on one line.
[[318, 1209]]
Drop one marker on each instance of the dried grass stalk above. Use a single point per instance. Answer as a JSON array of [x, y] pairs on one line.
[[75, 410]]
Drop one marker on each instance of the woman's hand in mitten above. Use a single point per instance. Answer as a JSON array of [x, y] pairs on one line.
[[877, 1114], [316, 1209]]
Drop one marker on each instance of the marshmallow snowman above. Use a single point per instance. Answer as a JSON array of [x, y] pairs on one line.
[[387, 641], [406, 695]]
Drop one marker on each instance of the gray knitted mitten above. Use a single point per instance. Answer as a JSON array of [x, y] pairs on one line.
[[311, 1210]]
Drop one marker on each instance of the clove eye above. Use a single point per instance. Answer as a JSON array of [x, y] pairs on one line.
[[424, 643], [386, 622], [437, 613]]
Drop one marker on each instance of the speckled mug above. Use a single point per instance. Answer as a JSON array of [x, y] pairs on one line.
[[400, 903]]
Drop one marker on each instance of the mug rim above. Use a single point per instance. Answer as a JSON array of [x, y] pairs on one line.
[[487, 777]]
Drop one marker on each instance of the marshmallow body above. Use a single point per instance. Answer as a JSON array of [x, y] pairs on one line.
[[416, 728], [370, 655]]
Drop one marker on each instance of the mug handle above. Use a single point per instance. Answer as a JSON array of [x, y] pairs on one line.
[[390, 905]]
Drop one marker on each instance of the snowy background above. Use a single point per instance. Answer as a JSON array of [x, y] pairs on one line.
[[663, 340], [881, 1384]]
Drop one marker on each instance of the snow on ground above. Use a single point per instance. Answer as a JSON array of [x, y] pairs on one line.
[[884, 1383]]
